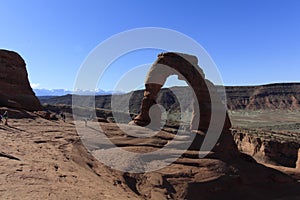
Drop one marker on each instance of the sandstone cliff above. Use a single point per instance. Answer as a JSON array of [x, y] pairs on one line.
[[272, 96], [15, 90], [269, 147]]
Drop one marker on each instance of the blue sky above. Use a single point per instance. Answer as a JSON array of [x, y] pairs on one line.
[[251, 41]]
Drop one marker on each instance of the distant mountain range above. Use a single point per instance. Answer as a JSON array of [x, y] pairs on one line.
[[285, 96], [62, 92]]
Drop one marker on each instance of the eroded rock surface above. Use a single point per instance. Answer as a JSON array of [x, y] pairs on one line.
[[208, 108], [281, 96], [266, 148], [15, 90], [46, 159], [188, 177]]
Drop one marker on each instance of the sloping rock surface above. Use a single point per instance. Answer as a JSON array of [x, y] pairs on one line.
[[42, 159]]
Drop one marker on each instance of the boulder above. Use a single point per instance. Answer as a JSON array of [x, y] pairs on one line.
[[43, 114]]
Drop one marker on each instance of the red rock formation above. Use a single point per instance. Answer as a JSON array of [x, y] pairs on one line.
[[272, 96], [206, 97], [265, 149], [190, 177], [15, 90]]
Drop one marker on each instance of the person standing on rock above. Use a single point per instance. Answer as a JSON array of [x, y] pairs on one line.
[[63, 116], [5, 116]]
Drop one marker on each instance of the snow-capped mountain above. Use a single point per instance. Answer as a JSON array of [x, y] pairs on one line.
[[62, 92]]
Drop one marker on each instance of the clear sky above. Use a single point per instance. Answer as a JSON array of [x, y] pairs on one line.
[[251, 41]]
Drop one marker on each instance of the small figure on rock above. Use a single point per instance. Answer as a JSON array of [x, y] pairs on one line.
[[5, 116], [63, 116]]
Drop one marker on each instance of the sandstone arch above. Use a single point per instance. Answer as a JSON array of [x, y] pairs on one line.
[[186, 67]]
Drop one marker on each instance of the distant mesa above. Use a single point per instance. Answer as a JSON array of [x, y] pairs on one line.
[[15, 90], [281, 96]]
